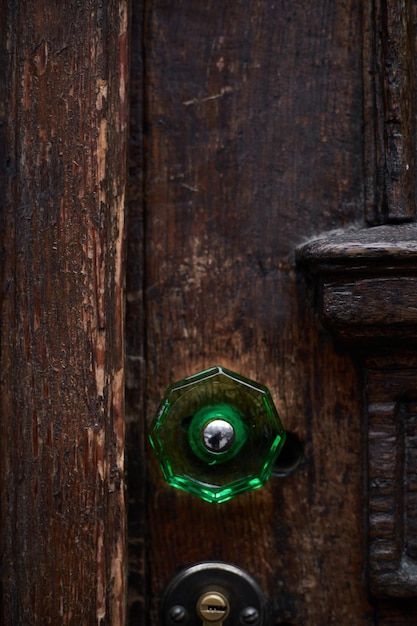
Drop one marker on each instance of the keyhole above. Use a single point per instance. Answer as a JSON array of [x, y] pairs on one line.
[[213, 608]]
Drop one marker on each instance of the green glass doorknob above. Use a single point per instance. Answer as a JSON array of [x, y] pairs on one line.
[[217, 434]]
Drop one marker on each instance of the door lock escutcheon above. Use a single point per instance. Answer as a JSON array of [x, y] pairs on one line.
[[213, 594]]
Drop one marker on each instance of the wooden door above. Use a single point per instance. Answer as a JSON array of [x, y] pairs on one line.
[[270, 229], [265, 126]]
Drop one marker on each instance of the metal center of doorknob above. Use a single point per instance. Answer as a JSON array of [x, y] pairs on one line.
[[218, 435]]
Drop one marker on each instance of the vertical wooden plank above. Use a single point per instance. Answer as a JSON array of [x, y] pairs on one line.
[[399, 63], [135, 334], [254, 145], [373, 125], [62, 374], [389, 83]]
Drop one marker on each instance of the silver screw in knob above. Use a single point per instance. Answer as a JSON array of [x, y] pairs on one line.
[[218, 435]]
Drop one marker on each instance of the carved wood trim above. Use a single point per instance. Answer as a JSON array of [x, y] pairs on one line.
[[366, 294], [367, 284], [392, 480]]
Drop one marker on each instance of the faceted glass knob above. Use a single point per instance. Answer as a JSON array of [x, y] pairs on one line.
[[217, 434]]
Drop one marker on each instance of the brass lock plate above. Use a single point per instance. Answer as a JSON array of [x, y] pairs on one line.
[[213, 593], [213, 607]]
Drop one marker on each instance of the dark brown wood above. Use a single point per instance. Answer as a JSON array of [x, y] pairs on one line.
[[391, 400], [367, 285], [253, 145], [135, 333], [65, 114], [373, 300], [389, 68]]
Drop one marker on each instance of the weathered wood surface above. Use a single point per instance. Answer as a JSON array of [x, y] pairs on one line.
[[135, 334], [391, 407], [366, 284], [366, 294], [253, 145], [389, 118], [392, 245], [64, 111]]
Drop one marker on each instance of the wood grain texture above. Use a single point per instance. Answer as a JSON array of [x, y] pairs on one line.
[[62, 427], [389, 90], [396, 244], [391, 417], [389, 302], [253, 144], [366, 284], [135, 333]]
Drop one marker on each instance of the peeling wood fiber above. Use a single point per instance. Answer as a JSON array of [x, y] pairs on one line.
[[63, 103]]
